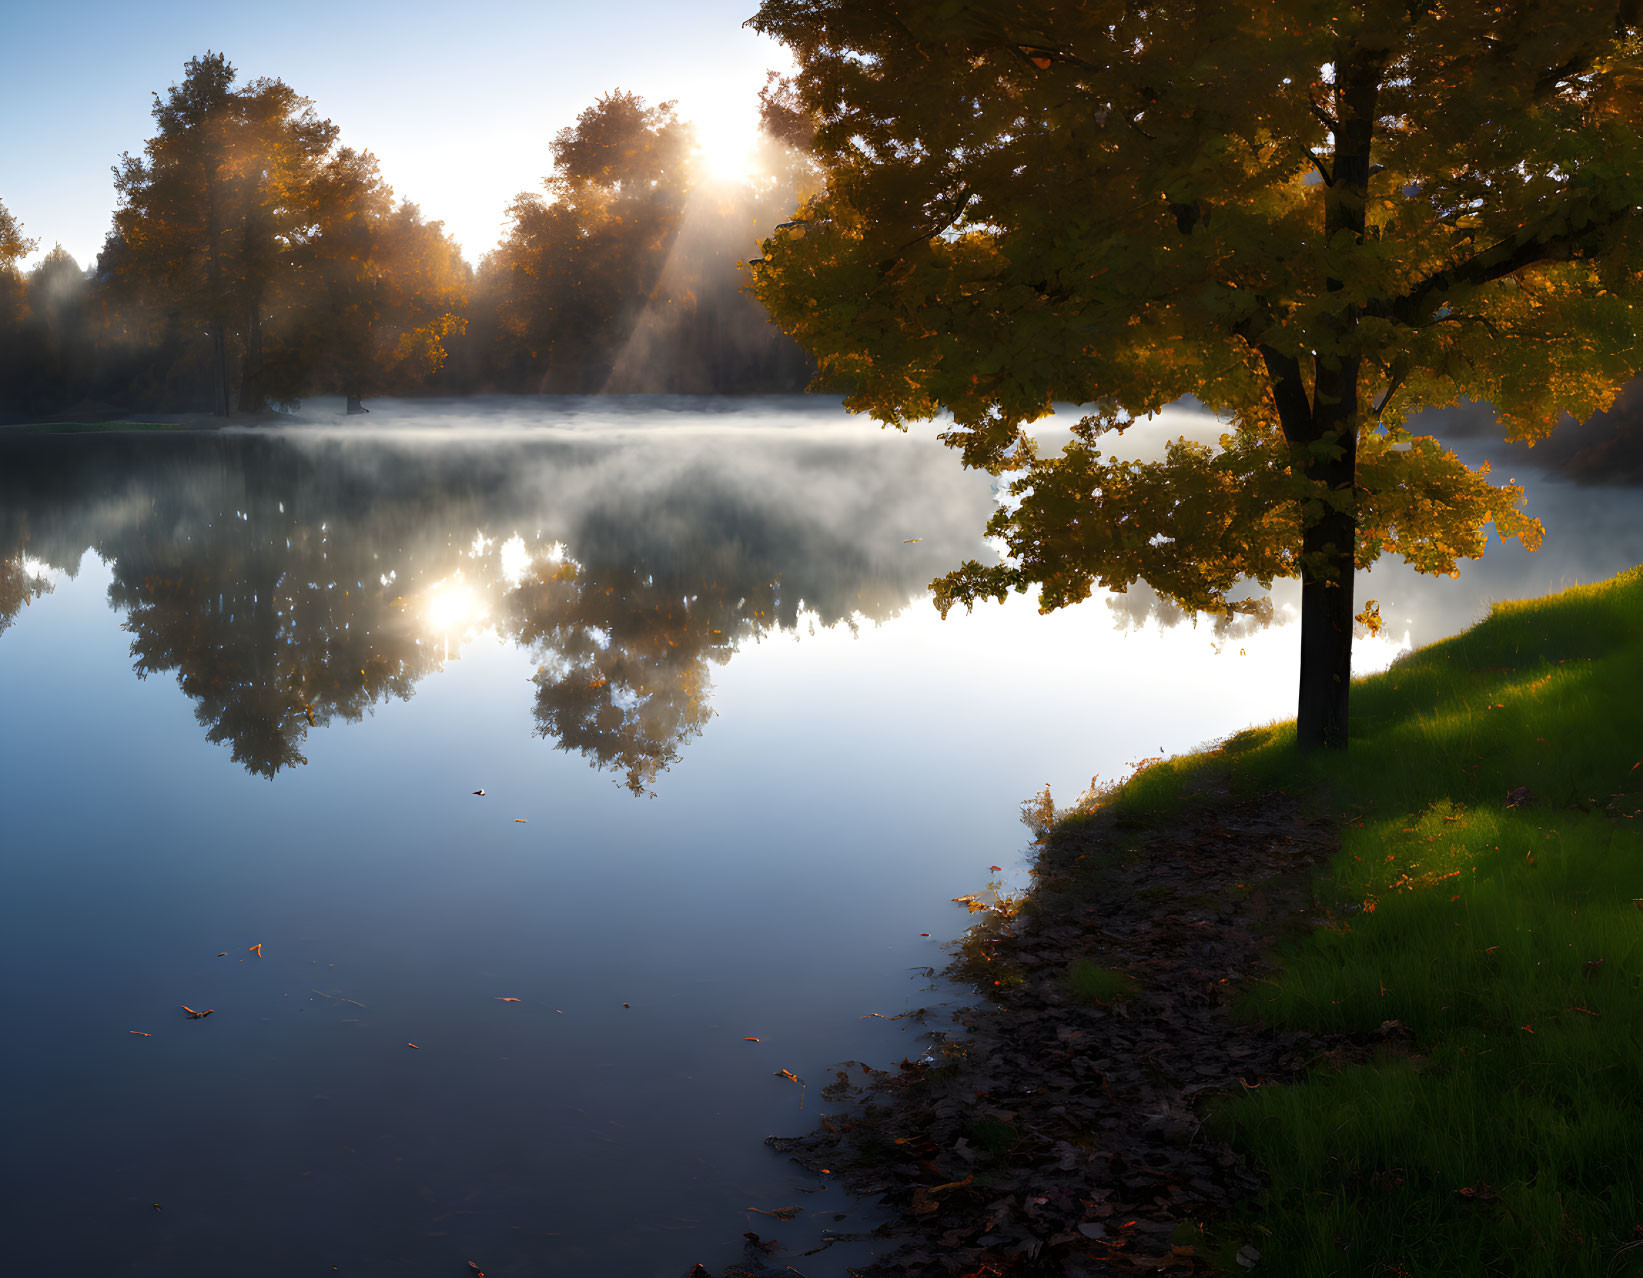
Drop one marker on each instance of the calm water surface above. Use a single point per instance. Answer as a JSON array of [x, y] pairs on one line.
[[734, 768]]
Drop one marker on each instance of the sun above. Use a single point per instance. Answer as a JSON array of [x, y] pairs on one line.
[[727, 146]]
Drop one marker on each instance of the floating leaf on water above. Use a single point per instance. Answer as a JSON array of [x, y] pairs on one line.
[[787, 1073], [504, 999], [481, 793], [224, 954], [520, 821], [750, 1040], [193, 1015], [908, 541], [995, 868], [780, 1213], [418, 1046], [479, 1273], [255, 949], [140, 1033]]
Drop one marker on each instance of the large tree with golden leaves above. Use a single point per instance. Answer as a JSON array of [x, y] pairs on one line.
[[209, 211], [1316, 218]]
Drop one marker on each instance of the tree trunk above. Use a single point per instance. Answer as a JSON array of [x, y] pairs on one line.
[[1327, 569], [1329, 453], [355, 406], [219, 369], [251, 395]]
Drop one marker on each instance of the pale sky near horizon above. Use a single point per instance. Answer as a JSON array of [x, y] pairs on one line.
[[458, 102]]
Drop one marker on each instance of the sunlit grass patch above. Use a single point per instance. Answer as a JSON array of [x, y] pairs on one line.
[[1485, 896]]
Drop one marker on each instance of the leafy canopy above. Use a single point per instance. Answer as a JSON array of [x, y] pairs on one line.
[[1125, 205]]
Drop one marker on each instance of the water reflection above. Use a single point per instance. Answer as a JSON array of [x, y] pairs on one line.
[[288, 581]]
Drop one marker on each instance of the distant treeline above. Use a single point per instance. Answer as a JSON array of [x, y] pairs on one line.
[[254, 260]]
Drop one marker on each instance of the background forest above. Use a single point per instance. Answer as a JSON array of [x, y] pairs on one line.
[[254, 259]]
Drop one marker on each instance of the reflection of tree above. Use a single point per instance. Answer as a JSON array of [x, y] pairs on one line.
[[17, 587], [288, 585], [613, 681], [268, 645]]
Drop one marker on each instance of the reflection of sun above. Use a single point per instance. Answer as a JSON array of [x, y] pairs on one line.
[[451, 606]]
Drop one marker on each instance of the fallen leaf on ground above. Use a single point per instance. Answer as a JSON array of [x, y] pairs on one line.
[[196, 1015], [1247, 1256]]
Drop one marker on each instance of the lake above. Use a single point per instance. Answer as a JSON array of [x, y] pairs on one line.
[[733, 769]]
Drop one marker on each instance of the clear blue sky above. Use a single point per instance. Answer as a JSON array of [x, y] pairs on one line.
[[458, 101]]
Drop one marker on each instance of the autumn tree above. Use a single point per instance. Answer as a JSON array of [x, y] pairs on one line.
[[14, 246], [576, 267], [375, 292], [1316, 218], [208, 212]]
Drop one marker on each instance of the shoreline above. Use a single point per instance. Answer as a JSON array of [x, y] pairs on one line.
[[1332, 1013], [1061, 1134]]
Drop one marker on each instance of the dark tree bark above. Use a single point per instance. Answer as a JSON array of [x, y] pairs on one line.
[[1325, 448], [251, 393], [219, 369]]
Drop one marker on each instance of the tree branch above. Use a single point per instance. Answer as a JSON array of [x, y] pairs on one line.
[[1391, 389], [1319, 165], [1288, 392], [1529, 247]]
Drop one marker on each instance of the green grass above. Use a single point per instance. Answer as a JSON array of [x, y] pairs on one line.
[[1509, 1139], [1088, 983]]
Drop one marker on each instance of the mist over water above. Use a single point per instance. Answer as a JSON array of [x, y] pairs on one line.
[[734, 767]]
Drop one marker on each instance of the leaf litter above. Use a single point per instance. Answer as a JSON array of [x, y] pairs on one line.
[[1061, 1135]]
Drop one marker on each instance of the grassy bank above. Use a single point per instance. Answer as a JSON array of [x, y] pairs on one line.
[[1488, 895]]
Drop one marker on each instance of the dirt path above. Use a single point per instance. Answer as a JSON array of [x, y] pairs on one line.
[[1063, 1136]]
